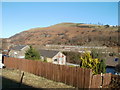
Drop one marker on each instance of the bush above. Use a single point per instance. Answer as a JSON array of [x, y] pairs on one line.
[[89, 62], [97, 65], [106, 26], [112, 54], [73, 57], [96, 54]]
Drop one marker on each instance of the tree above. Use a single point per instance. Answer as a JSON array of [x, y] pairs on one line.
[[32, 54]]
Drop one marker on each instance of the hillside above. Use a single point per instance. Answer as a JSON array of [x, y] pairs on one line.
[[69, 34]]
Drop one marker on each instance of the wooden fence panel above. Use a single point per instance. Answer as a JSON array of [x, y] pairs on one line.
[[20, 64], [87, 78], [48, 70], [81, 78], [106, 79], [71, 76], [60, 74], [46, 66], [42, 69], [63, 73], [75, 76], [39, 68], [67, 80], [96, 81], [58, 69]]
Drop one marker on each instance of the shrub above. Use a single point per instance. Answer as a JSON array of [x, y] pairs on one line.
[[112, 54], [96, 54], [97, 65], [89, 62], [106, 26], [73, 57]]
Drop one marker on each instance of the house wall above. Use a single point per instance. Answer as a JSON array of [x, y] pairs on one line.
[[45, 58], [61, 58], [49, 59], [13, 53], [18, 53]]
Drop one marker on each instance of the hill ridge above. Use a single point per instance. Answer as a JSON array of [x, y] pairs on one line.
[[68, 34]]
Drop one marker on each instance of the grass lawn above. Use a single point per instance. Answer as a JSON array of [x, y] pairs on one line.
[[11, 79]]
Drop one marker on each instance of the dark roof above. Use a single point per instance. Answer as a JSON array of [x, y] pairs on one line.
[[111, 61], [18, 47], [48, 53]]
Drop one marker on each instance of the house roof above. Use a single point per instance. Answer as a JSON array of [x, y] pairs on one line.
[[111, 61], [18, 47], [48, 53]]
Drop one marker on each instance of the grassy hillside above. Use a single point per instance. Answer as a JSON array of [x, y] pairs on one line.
[[69, 34]]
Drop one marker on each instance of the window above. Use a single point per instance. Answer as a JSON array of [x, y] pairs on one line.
[[116, 59], [55, 59]]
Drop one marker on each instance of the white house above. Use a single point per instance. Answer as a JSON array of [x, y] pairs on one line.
[[18, 51], [55, 57]]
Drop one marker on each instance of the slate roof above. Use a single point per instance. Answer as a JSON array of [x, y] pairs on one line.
[[48, 53], [111, 61], [18, 47]]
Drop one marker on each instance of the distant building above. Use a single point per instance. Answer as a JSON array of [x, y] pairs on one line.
[[5, 44], [18, 51], [111, 63], [55, 57]]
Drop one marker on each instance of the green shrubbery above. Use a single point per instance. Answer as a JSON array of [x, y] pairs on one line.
[[94, 62], [73, 57], [106, 26], [32, 54]]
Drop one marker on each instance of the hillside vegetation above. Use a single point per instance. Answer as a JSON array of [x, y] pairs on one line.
[[69, 34]]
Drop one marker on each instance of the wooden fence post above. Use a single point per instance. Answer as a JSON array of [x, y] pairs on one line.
[[21, 79]]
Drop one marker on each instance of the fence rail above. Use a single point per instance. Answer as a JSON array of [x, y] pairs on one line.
[[74, 76]]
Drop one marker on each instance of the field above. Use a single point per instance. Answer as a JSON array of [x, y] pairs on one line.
[[12, 78]]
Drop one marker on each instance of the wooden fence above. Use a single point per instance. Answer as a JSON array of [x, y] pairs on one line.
[[101, 81], [75, 76]]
